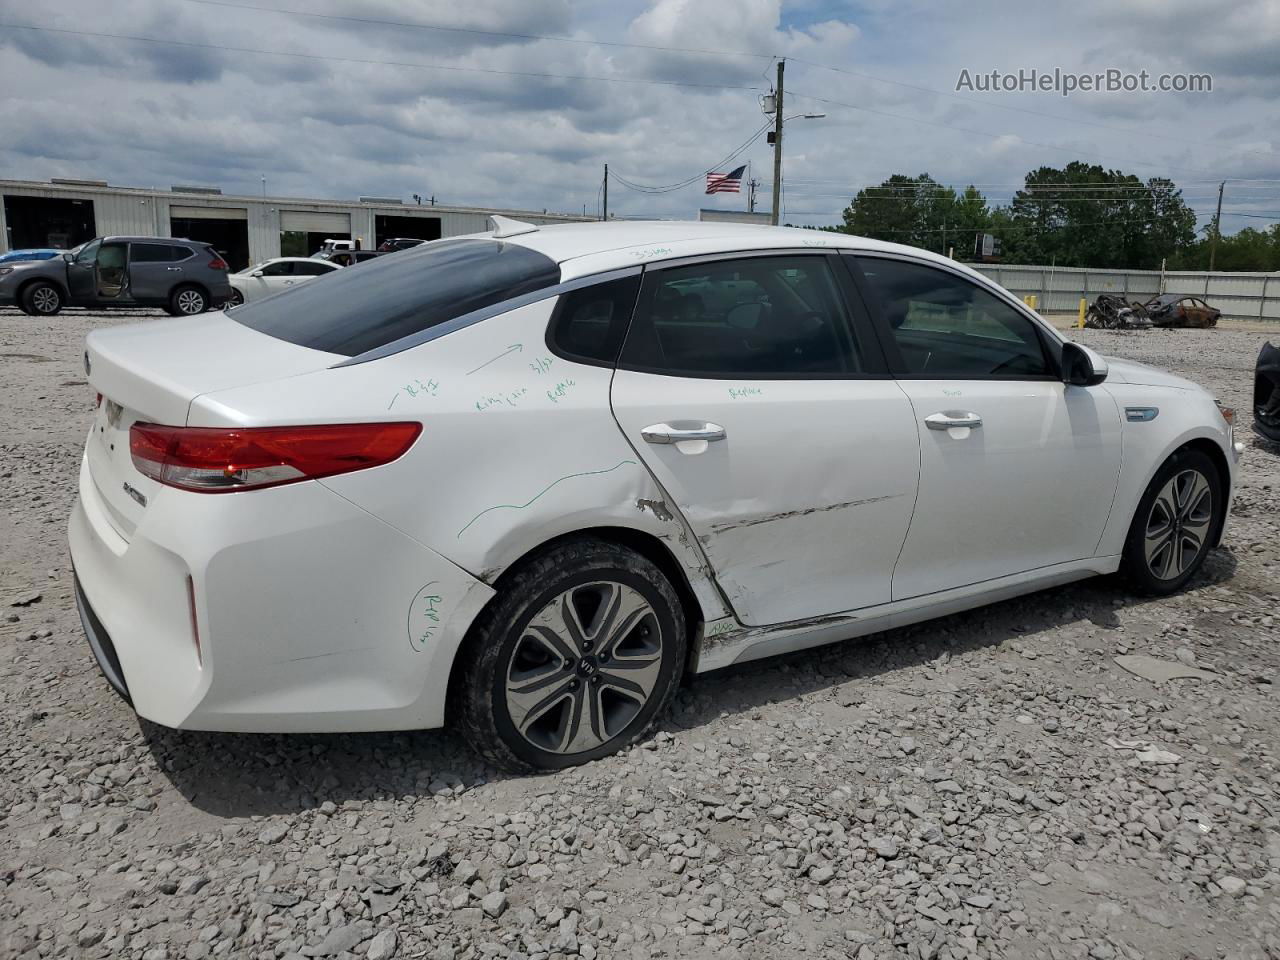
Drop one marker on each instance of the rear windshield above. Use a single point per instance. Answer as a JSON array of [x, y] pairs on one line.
[[356, 309]]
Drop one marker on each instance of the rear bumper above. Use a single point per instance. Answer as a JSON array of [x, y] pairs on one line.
[[312, 615]]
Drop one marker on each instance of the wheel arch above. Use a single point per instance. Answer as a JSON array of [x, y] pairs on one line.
[[196, 284], [52, 281], [1219, 459], [645, 544]]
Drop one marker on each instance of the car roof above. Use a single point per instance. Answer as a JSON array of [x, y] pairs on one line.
[[593, 247], [146, 240]]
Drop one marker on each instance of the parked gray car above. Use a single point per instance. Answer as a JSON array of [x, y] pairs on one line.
[[184, 277]]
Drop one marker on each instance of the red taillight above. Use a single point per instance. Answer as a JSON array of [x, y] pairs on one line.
[[227, 459], [217, 263]]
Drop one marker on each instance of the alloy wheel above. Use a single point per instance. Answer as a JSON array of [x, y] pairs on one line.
[[190, 302], [584, 667], [45, 300], [1178, 524]]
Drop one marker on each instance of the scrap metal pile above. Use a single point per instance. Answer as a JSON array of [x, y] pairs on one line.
[[1116, 313], [1166, 310]]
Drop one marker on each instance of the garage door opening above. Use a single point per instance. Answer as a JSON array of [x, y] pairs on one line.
[[303, 232], [48, 222], [303, 243], [419, 228], [224, 229]]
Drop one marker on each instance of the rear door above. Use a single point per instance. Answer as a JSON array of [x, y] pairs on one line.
[[1017, 469], [759, 400], [152, 271]]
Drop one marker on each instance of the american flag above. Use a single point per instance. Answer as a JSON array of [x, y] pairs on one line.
[[726, 182]]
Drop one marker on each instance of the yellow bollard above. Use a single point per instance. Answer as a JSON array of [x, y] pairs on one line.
[[1083, 306]]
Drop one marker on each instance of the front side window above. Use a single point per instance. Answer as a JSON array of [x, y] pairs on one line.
[[945, 325], [395, 297], [312, 268], [777, 317], [89, 252]]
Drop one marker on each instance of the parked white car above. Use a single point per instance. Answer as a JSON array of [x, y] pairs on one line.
[[524, 481], [275, 275]]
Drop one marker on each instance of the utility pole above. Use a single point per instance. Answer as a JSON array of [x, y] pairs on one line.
[[777, 148], [751, 194], [1217, 228], [605, 211]]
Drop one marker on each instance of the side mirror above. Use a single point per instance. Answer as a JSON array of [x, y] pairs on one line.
[[1082, 367], [70, 258], [256, 273]]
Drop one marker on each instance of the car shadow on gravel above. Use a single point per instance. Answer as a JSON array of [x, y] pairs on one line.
[[243, 775]]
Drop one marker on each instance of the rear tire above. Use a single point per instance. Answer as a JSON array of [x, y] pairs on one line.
[[42, 299], [1174, 525], [236, 298], [188, 301], [575, 659]]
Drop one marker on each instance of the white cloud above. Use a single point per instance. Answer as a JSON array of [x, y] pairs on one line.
[[156, 114]]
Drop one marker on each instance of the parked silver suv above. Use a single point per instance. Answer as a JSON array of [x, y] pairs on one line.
[[183, 276]]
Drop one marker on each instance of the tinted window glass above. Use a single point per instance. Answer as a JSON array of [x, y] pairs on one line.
[[756, 317], [281, 268], [394, 297], [589, 323], [312, 268], [152, 253], [948, 326], [88, 252]]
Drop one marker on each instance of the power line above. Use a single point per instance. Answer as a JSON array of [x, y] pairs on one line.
[[668, 188], [979, 133], [369, 62]]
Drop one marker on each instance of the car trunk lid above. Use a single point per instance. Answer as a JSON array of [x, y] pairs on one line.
[[151, 372]]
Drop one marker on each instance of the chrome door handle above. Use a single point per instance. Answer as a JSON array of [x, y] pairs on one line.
[[950, 419], [288, 282], [682, 430], [174, 269]]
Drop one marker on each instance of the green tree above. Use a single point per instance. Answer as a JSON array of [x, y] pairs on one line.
[[1087, 216], [917, 211]]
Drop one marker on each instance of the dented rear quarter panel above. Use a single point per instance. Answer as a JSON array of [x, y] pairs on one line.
[[518, 446]]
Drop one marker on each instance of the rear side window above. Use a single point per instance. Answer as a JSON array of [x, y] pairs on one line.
[[589, 323], [153, 253], [389, 298], [775, 317]]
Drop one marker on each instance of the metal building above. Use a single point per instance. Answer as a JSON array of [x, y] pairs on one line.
[[245, 230]]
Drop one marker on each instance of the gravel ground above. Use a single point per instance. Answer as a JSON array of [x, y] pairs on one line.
[[987, 785]]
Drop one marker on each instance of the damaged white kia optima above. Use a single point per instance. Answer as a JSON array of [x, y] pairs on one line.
[[525, 481]]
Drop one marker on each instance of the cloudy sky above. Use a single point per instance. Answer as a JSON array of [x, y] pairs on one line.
[[520, 102]]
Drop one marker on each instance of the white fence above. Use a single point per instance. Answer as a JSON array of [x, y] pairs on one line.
[[1240, 296]]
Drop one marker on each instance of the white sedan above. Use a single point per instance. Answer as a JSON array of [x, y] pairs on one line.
[[273, 276], [521, 482]]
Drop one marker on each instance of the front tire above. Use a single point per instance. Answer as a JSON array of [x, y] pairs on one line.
[[236, 299], [187, 301], [575, 659], [42, 299], [1175, 523]]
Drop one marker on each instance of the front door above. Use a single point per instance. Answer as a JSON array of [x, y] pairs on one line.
[[1017, 470], [759, 402], [82, 273]]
